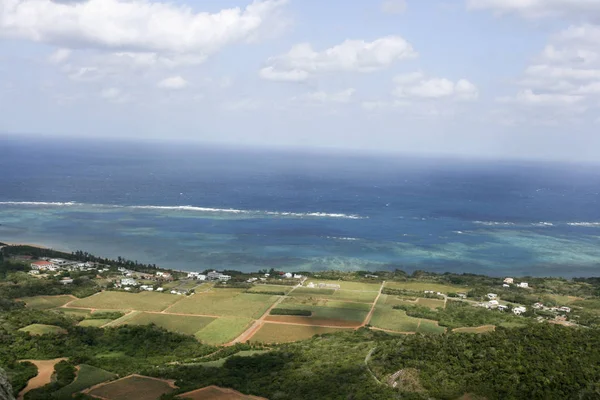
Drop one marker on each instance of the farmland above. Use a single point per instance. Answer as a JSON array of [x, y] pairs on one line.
[[133, 387], [329, 313], [145, 301], [270, 289], [46, 302], [275, 333], [216, 393], [387, 318], [478, 329], [87, 376], [325, 303], [188, 325], [347, 285], [97, 323], [225, 302], [223, 330]]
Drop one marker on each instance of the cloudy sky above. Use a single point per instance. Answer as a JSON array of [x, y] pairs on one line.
[[501, 78]]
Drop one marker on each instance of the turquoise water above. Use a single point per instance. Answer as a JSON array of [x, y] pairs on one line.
[[198, 208]]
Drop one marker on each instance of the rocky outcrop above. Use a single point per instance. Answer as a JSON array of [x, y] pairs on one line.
[[6, 392]]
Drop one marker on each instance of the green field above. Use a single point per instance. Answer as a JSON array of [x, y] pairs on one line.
[[349, 295], [75, 312], [477, 329], [46, 302], [422, 286], [421, 301], [87, 376], [133, 387], [427, 326], [270, 288], [188, 325], [276, 333], [312, 292], [145, 301], [96, 323], [223, 330], [41, 329], [347, 285], [325, 303], [341, 314], [225, 302]]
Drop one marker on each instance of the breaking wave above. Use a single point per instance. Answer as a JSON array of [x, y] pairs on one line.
[[190, 209], [585, 224]]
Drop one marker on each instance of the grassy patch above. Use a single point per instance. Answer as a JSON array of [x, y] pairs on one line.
[[223, 330], [46, 302], [188, 325], [96, 323], [225, 302], [74, 312], [365, 297], [133, 387], [304, 291], [41, 329], [478, 329], [348, 285], [431, 303], [426, 326], [332, 313], [270, 288], [386, 317], [244, 353], [326, 303], [276, 333], [88, 376], [145, 301]]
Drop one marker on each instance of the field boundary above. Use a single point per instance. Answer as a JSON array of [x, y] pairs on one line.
[[370, 314]]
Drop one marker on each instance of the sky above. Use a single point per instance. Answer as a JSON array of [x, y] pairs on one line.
[[480, 78]]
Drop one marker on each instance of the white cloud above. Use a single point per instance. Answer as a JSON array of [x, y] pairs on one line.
[[84, 74], [114, 95], [539, 8], [59, 56], [417, 85], [394, 6], [344, 96], [529, 97], [352, 55], [173, 83], [133, 25]]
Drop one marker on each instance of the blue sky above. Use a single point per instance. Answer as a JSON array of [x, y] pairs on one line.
[[485, 78]]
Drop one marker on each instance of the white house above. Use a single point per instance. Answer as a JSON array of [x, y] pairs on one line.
[[288, 275], [267, 275], [510, 281], [492, 296], [214, 276], [502, 308], [163, 275], [58, 261], [506, 285], [127, 288], [462, 295], [193, 275], [523, 285], [519, 310], [538, 306], [41, 265], [160, 289], [66, 281], [298, 276], [565, 309], [493, 303], [128, 282], [224, 278]]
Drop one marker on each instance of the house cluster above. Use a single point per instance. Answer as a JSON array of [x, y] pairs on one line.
[[59, 264], [436, 293], [322, 285], [196, 275], [217, 276], [511, 281], [494, 304], [540, 306]]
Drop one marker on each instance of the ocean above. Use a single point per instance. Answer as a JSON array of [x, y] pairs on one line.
[[194, 207]]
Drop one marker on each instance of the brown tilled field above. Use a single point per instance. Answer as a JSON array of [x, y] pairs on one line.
[[132, 387], [217, 393]]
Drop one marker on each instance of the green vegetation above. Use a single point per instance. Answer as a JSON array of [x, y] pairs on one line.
[[223, 330], [144, 301], [97, 323], [288, 311], [304, 291], [225, 302], [46, 302], [188, 325], [20, 373], [270, 289], [64, 374], [42, 329], [87, 376], [458, 314], [133, 387], [329, 313], [422, 286]]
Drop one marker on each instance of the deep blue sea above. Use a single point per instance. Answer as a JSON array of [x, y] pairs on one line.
[[194, 207]]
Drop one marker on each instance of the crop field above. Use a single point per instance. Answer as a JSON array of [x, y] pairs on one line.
[[422, 286], [41, 329], [276, 333], [188, 325], [427, 326], [270, 288], [327, 316], [96, 323], [46, 302], [367, 287], [133, 387], [312, 292], [87, 376], [216, 393], [364, 297], [325, 303], [396, 320], [225, 302], [421, 301], [75, 312], [145, 301], [478, 329], [223, 330]]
